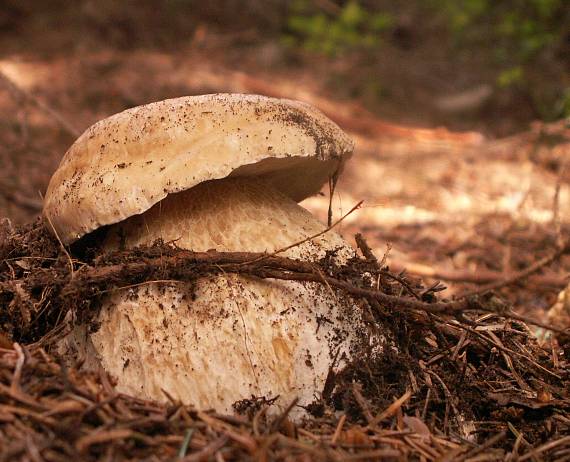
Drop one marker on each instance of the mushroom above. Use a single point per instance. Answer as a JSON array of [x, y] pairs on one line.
[[223, 172]]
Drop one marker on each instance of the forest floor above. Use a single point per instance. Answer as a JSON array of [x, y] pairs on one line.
[[463, 207]]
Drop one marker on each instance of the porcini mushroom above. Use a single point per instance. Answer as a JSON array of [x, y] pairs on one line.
[[221, 172]]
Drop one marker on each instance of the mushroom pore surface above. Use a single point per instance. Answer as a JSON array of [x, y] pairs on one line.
[[233, 214], [227, 337]]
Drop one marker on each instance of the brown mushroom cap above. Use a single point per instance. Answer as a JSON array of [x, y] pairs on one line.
[[123, 165]]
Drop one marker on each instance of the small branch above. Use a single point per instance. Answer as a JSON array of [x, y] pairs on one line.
[[480, 277], [362, 403], [276, 425], [310, 238], [491, 442], [365, 249], [371, 258], [183, 265], [535, 267], [391, 410], [186, 265], [14, 88], [333, 180], [12, 195]]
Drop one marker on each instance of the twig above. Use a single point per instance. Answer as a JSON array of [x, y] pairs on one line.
[[276, 425], [333, 180], [361, 400], [20, 200], [486, 445], [391, 410], [310, 238], [338, 429], [206, 452], [365, 248], [537, 266], [184, 265], [15, 385], [83, 443], [370, 257], [244, 440], [62, 121], [480, 277], [71, 270], [260, 265], [545, 447]]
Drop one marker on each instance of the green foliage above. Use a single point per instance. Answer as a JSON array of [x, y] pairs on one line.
[[511, 77], [522, 35], [521, 40], [520, 28], [350, 27]]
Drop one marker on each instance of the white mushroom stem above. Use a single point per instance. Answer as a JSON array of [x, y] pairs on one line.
[[228, 337]]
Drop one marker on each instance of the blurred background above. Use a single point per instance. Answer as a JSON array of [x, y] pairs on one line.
[[459, 108]]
